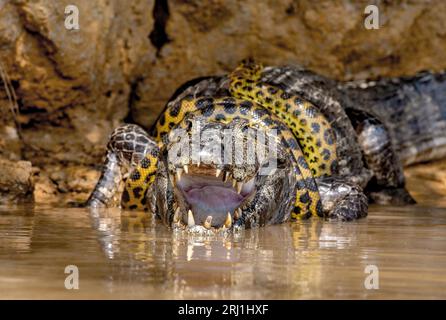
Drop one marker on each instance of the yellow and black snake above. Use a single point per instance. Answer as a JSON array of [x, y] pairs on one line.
[[324, 154], [314, 156]]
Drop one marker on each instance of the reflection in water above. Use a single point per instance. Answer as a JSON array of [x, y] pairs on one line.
[[130, 254], [16, 230]]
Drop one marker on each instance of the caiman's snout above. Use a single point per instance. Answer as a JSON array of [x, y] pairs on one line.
[[213, 173]]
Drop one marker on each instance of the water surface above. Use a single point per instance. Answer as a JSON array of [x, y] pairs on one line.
[[130, 255]]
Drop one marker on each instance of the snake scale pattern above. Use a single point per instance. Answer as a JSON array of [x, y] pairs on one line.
[[335, 152]]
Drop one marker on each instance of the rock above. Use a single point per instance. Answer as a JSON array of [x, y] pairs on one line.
[[73, 85], [10, 143], [69, 185], [74, 178], [45, 191], [16, 181]]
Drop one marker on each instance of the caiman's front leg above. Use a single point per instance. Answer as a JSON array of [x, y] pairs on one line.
[[342, 200], [130, 149], [388, 185]]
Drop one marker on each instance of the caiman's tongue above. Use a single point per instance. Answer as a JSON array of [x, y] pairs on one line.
[[208, 195], [213, 200]]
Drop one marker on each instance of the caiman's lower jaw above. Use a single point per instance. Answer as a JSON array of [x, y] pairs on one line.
[[209, 199]]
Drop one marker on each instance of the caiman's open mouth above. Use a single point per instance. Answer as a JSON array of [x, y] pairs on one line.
[[209, 198]]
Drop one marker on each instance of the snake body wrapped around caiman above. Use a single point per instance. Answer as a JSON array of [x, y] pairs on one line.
[[337, 147]]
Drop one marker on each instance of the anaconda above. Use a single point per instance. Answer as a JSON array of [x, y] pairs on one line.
[[335, 149]]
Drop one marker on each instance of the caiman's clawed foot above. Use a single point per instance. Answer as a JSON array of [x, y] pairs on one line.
[[352, 207], [341, 200]]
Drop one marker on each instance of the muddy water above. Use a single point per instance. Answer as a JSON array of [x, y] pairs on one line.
[[129, 255]]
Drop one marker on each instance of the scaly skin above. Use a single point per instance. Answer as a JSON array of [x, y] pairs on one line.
[[225, 110], [129, 146], [308, 124], [304, 135], [327, 177], [139, 181]]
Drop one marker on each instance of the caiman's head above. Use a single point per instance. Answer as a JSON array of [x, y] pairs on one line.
[[215, 176]]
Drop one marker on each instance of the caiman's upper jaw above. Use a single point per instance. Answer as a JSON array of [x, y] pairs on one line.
[[209, 198]]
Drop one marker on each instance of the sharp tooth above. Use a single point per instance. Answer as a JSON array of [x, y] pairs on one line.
[[237, 214], [239, 187], [179, 173], [186, 168], [228, 222], [176, 216], [190, 219], [207, 223], [217, 173]]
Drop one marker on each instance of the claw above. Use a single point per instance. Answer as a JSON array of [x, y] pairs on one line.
[[186, 168], [234, 183], [227, 175], [217, 173], [190, 219]]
